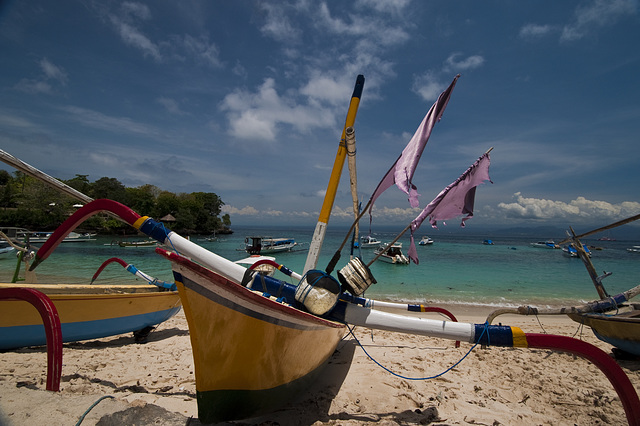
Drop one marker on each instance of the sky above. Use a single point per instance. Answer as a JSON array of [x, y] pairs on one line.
[[248, 99]]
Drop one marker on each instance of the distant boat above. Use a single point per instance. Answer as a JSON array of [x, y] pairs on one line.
[[5, 249], [142, 243], [260, 245], [488, 242], [545, 244], [21, 234], [367, 241], [606, 239], [634, 249], [571, 251], [392, 254], [425, 241]]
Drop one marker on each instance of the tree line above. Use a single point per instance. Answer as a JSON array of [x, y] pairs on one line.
[[27, 202]]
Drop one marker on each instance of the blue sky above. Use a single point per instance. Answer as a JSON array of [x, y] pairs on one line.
[[247, 99]]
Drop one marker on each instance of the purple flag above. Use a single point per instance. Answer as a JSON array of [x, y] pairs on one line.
[[455, 200], [401, 173]]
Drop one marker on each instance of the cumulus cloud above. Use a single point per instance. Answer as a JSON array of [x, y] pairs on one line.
[[250, 211], [455, 63], [258, 115], [578, 209]]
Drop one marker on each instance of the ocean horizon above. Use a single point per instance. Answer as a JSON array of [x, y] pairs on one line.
[[457, 268]]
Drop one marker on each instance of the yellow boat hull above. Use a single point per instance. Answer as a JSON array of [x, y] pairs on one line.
[[251, 353], [86, 312]]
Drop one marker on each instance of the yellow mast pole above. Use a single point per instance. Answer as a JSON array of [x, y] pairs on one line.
[[334, 180]]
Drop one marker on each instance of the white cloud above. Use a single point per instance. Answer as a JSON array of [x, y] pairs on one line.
[[471, 62], [277, 25], [171, 105], [428, 86], [258, 115], [51, 74], [102, 121], [134, 37], [535, 30], [578, 209], [599, 13]]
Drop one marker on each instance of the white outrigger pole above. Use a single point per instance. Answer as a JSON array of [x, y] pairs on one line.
[[334, 180]]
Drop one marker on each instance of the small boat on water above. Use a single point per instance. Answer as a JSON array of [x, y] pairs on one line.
[[571, 251], [20, 235], [634, 249], [367, 241], [545, 244], [262, 245], [142, 243], [488, 242], [392, 254], [425, 241], [5, 250]]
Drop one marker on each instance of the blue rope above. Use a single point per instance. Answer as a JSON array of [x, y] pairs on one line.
[[169, 238], [486, 326], [90, 408]]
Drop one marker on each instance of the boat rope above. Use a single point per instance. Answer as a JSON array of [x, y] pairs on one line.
[[91, 408], [486, 327], [166, 232]]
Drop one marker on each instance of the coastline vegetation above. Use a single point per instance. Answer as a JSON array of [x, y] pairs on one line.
[[29, 203]]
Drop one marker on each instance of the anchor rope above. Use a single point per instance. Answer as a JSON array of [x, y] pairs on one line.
[[485, 330]]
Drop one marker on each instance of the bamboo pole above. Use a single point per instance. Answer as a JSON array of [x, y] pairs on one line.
[[334, 180], [604, 228]]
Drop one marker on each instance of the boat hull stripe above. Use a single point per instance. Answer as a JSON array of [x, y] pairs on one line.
[[34, 335]]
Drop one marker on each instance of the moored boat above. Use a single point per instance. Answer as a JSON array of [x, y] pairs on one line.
[[570, 250], [392, 254], [425, 241], [5, 250], [266, 245], [142, 243], [86, 312], [251, 353], [21, 235], [634, 249], [545, 244], [367, 241], [621, 329]]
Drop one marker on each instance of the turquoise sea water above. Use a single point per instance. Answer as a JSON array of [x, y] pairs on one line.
[[455, 269]]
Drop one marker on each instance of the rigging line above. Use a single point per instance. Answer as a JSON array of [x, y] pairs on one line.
[[486, 326]]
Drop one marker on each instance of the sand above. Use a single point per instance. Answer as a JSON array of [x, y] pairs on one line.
[[153, 383]]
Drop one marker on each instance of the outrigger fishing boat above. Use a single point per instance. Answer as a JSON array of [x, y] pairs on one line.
[[612, 318], [257, 340], [86, 311]]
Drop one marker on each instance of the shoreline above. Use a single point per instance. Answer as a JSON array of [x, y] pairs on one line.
[[154, 382]]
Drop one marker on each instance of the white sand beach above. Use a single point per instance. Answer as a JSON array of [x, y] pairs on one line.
[[153, 383]]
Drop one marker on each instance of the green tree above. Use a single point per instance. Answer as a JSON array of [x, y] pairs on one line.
[[110, 188]]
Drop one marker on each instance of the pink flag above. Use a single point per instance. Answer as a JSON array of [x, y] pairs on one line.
[[401, 173], [454, 200]]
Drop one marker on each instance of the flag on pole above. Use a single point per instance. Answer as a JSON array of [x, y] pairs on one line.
[[401, 173], [455, 200]]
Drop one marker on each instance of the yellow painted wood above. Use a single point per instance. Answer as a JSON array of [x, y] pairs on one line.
[[234, 351], [89, 307]]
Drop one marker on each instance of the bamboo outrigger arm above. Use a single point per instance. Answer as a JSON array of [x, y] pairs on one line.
[[605, 305]]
